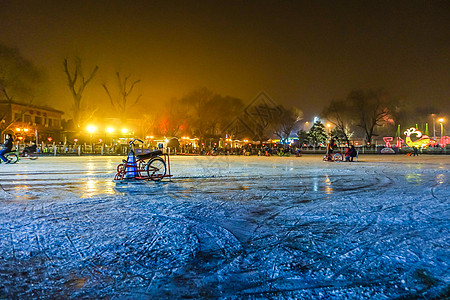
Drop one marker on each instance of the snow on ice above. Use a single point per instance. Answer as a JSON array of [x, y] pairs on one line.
[[227, 227]]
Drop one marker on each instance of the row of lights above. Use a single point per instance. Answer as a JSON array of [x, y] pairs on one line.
[[92, 129]]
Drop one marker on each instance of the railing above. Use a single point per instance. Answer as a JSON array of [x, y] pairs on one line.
[[77, 150]]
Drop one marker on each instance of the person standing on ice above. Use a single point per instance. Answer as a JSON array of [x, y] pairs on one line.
[[7, 147]]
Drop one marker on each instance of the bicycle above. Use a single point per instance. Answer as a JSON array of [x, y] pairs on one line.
[[11, 157], [333, 157], [144, 166], [14, 156]]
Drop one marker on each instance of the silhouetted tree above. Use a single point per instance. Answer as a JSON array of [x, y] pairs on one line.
[[121, 101], [370, 109], [339, 113], [286, 122], [77, 83], [172, 118], [196, 103], [19, 79], [222, 112]]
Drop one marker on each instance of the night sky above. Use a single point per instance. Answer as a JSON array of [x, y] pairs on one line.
[[302, 53]]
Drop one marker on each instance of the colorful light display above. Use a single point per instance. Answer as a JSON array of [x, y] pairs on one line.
[[423, 141]]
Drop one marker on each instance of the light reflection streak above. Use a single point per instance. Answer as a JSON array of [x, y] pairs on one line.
[[94, 187], [328, 189], [440, 178], [414, 178]]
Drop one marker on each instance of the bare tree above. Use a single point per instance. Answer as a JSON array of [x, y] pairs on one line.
[[77, 83], [121, 102], [172, 118], [19, 78], [286, 122], [197, 104], [370, 108], [339, 113]]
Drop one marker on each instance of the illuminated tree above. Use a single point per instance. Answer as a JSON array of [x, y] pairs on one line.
[[302, 137], [317, 134], [342, 135], [77, 83], [121, 101]]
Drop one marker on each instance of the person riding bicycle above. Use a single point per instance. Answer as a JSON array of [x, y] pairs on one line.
[[7, 147]]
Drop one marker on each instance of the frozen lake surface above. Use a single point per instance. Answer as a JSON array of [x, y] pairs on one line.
[[227, 227]]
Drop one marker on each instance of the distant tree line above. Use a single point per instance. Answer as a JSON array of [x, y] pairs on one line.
[[205, 114]]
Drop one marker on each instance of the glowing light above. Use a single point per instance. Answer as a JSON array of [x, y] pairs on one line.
[[445, 140], [400, 142], [50, 139], [75, 140], [441, 120], [25, 129], [91, 128], [109, 130], [423, 142], [17, 129], [387, 140], [124, 130], [20, 138]]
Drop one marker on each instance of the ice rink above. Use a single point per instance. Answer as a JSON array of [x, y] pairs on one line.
[[227, 227]]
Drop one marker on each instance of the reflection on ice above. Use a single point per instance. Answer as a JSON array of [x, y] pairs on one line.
[[23, 192], [315, 182], [96, 187], [213, 232], [328, 189], [414, 178], [440, 178]]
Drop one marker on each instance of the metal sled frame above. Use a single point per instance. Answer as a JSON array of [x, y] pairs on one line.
[[141, 169]]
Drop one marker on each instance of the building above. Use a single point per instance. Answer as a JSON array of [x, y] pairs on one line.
[[28, 121]]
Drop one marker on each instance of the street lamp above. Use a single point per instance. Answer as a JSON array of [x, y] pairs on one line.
[[441, 121], [329, 128], [434, 126], [91, 129]]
